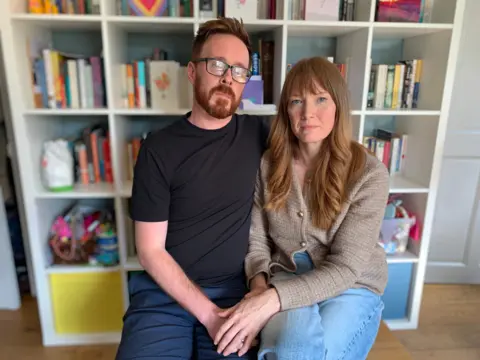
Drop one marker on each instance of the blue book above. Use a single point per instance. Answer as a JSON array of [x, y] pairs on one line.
[[39, 69]]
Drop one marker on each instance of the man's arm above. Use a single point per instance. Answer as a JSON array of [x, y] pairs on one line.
[[150, 206], [150, 242]]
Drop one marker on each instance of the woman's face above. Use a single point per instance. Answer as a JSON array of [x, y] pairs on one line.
[[312, 115]]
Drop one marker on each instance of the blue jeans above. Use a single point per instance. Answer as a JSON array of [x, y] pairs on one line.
[[340, 328], [157, 327]]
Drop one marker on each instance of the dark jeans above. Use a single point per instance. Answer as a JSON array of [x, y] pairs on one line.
[[157, 327]]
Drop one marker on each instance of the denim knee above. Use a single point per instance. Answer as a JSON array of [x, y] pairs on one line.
[[351, 335], [293, 335]]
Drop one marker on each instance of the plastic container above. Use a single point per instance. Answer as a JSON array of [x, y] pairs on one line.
[[394, 234]]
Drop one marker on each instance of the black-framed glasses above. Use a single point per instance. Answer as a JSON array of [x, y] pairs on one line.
[[219, 67]]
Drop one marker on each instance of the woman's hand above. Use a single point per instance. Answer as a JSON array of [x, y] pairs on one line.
[[245, 320]]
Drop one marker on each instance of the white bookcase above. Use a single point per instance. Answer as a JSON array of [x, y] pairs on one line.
[[80, 292]]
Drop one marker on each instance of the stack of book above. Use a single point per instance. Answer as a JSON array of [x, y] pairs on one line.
[[389, 148], [395, 86], [326, 10], [156, 84], [67, 81], [71, 7], [245, 9], [92, 155]]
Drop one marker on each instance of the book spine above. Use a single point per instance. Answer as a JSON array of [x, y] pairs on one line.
[[97, 81], [47, 58], [42, 80], [124, 85], [95, 159], [395, 155], [396, 86], [389, 87], [386, 154], [411, 84], [380, 86], [403, 156], [400, 86], [130, 86], [379, 149], [73, 84], [107, 161], [371, 87], [416, 87], [142, 96], [82, 83], [81, 153], [89, 86]]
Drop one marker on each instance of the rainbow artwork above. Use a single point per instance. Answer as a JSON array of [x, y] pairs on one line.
[[148, 7]]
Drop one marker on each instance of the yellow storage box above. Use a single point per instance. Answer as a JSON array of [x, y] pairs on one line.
[[87, 302]]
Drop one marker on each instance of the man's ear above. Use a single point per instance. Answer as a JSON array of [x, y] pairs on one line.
[[191, 72]]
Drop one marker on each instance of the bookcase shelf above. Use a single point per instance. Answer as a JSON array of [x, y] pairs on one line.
[[73, 269], [116, 40]]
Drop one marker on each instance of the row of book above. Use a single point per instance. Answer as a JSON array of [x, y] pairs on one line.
[[395, 86], [155, 84], [71, 7], [389, 148], [246, 9], [93, 164], [92, 156], [326, 10], [62, 80]]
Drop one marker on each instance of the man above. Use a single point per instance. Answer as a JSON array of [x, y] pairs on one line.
[[191, 201]]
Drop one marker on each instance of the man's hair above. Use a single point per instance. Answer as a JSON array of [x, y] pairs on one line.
[[230, 26]]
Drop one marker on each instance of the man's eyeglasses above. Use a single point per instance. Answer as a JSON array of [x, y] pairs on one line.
[[219, 67]]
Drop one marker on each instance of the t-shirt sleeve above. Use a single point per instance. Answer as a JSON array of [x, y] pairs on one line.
[[150, 200]]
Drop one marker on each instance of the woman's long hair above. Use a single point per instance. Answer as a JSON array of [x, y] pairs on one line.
[[340, 160]]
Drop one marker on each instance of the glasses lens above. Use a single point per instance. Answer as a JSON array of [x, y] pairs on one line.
[[240, 74], [216, 67]]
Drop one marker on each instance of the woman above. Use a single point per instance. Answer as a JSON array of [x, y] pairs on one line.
[[314, 266]]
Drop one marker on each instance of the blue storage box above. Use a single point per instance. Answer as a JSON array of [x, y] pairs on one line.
[[397, 291]]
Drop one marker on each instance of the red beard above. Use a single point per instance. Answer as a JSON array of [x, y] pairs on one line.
[[222, 108]]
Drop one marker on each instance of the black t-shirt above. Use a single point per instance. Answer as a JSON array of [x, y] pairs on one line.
[[202, 182]]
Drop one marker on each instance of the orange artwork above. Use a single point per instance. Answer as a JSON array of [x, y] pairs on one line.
[[162, 82]]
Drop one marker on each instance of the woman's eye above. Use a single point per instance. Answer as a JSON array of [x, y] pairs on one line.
[[295, 101], [322, 99]]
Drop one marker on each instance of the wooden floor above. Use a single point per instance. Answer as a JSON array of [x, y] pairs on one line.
[[449, 329], [449, 326]]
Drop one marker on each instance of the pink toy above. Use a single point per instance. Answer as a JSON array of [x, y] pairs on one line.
[[61, 228]]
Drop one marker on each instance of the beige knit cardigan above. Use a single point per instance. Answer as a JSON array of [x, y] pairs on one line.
[[346, 256]]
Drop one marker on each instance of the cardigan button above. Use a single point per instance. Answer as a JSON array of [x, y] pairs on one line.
[[303, 244], [300, 213]]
